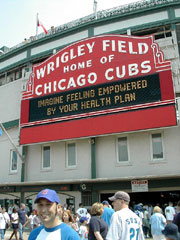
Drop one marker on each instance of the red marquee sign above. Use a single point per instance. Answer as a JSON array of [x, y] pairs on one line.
[[100, 85]]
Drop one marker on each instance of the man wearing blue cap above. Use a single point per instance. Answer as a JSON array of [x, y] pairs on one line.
[[49, 209]]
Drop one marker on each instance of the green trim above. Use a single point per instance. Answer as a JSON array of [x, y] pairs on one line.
[[137, 11], [43, 40], [28, 66], [126, 185], [11, 66], [160, 183], [171, 14], [118, 14], [28, 52], [90, 25], [90, 32], [22, 198], [111, 185], [93, 159], [11, 124], [22, 171], [24, 148], [173, 26], [153, 184], [95, 197], [28, 56], [140, 27], [47, 53], [18, 50]]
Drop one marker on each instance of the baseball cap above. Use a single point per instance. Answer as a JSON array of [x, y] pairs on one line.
[[82, 219], [105, 202], [120, 195], [171, 231], [48, 194]]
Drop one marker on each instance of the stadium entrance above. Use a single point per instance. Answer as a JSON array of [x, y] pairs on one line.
[[153, 198]]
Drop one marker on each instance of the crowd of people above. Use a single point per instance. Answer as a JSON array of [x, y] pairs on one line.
[[155, 219], [16, 218], [102, 221]]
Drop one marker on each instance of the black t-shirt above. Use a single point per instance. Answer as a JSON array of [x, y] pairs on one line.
[[97, 225]]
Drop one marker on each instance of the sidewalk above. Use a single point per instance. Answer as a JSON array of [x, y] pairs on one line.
[[9, 232]]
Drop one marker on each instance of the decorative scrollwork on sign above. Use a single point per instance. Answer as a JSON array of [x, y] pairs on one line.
[[29, 87], [159, 57]]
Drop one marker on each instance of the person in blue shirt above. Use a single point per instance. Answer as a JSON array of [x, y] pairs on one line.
[[23, 220], [108, 212], [157, 222], [49, 210]]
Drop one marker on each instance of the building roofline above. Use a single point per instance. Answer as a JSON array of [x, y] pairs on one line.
[[103, 15]]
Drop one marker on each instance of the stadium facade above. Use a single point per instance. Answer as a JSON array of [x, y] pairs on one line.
[[104, 137]]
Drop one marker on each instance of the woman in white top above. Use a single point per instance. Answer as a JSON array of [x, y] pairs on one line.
[[4, 219], [14, 221]]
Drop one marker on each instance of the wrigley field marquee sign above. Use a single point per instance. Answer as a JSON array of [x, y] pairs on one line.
[[100, 85]]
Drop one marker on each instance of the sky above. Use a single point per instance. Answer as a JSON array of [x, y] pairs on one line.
[[18, 17]]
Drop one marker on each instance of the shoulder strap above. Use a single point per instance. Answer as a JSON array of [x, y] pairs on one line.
[[4, 218]]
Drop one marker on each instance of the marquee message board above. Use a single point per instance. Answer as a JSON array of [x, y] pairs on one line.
[[100, 85]]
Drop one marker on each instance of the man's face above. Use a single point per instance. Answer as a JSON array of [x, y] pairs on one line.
[[23, 206], [48, 212], [117, 204]]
